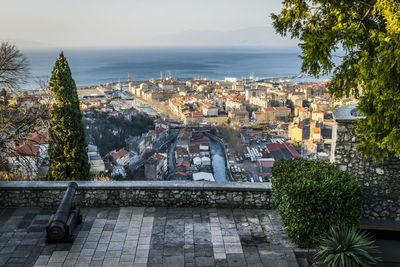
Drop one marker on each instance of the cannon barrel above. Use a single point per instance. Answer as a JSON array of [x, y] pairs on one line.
[[57, 229]]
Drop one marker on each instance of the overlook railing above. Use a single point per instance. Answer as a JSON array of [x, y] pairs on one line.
[[138, 193]]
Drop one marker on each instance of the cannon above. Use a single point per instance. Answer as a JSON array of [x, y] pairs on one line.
[[62, 223]]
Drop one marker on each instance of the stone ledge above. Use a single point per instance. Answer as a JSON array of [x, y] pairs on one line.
[[380, 225], [347, 113], [104, 185], [138, 193]]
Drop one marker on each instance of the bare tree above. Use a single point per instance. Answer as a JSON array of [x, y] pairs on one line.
[[14, 67], [21, 114]]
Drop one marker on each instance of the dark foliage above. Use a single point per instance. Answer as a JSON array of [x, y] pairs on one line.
[[68, 147], [109, 133], [346, 247], [367, 34], [312, 196]]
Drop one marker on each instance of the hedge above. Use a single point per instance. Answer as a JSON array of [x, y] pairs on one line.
[[313, 196]]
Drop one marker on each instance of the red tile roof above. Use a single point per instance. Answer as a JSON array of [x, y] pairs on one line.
[[194, 149], [157, 156], [301, 109], [201, 140], [297, 93], [184, 164], [278, 147], [38, 138], [181, 150], [265, 163], [237, 111], [178, 173], [197, 134], [269, 109], [120, 154], [25, 150]]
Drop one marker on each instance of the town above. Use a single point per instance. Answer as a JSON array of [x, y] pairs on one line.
[[200, 133], [196, 129]]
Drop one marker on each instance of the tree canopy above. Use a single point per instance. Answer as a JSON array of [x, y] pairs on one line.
[[367, 33], [68, 147], [13, 66], [109, 133], [17, 119]]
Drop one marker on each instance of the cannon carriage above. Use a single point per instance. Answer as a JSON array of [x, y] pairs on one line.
[[61, 225]]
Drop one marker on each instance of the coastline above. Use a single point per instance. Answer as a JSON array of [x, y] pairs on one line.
[[107, 65]]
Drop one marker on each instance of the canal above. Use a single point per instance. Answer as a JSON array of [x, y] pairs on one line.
[[218, 162]]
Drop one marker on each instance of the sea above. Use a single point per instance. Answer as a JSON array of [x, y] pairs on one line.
[[91, 66]]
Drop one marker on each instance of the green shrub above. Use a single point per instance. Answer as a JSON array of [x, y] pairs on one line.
[[346, 247], [312, 196]]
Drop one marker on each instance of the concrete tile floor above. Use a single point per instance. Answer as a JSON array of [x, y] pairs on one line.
[[139, 236]]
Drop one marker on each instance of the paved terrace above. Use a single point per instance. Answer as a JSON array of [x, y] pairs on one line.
[[140, 236]]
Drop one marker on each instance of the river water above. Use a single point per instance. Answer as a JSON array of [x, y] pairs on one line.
[[218, 162]]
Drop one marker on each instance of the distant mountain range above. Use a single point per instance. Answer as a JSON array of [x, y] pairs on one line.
[[22, 44], [255, 36]]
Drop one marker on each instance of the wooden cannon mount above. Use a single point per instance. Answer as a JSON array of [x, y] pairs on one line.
[[62, 223]]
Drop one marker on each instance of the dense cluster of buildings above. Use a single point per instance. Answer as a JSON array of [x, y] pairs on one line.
[[299, 113], [302, 110], [189, 159], [296, 114], [252, 103], [31, 158], [115, 101], [156, 167], [192, 153], [136, 150]]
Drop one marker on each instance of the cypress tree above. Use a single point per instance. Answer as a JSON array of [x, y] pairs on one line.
[[68, 147]]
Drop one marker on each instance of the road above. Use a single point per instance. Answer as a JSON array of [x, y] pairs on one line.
[[137, 165], [171, 158], [251, 169]]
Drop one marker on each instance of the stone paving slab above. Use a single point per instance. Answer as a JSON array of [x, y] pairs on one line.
[[139, 236]]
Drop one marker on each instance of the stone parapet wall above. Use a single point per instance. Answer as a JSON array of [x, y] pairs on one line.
[[138, 193], [380, 182]]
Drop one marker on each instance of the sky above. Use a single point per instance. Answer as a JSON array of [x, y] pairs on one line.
[[103, 23]]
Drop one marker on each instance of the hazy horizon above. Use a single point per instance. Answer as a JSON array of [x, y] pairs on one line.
[[155, 23], [91, 66], [289, 49]]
